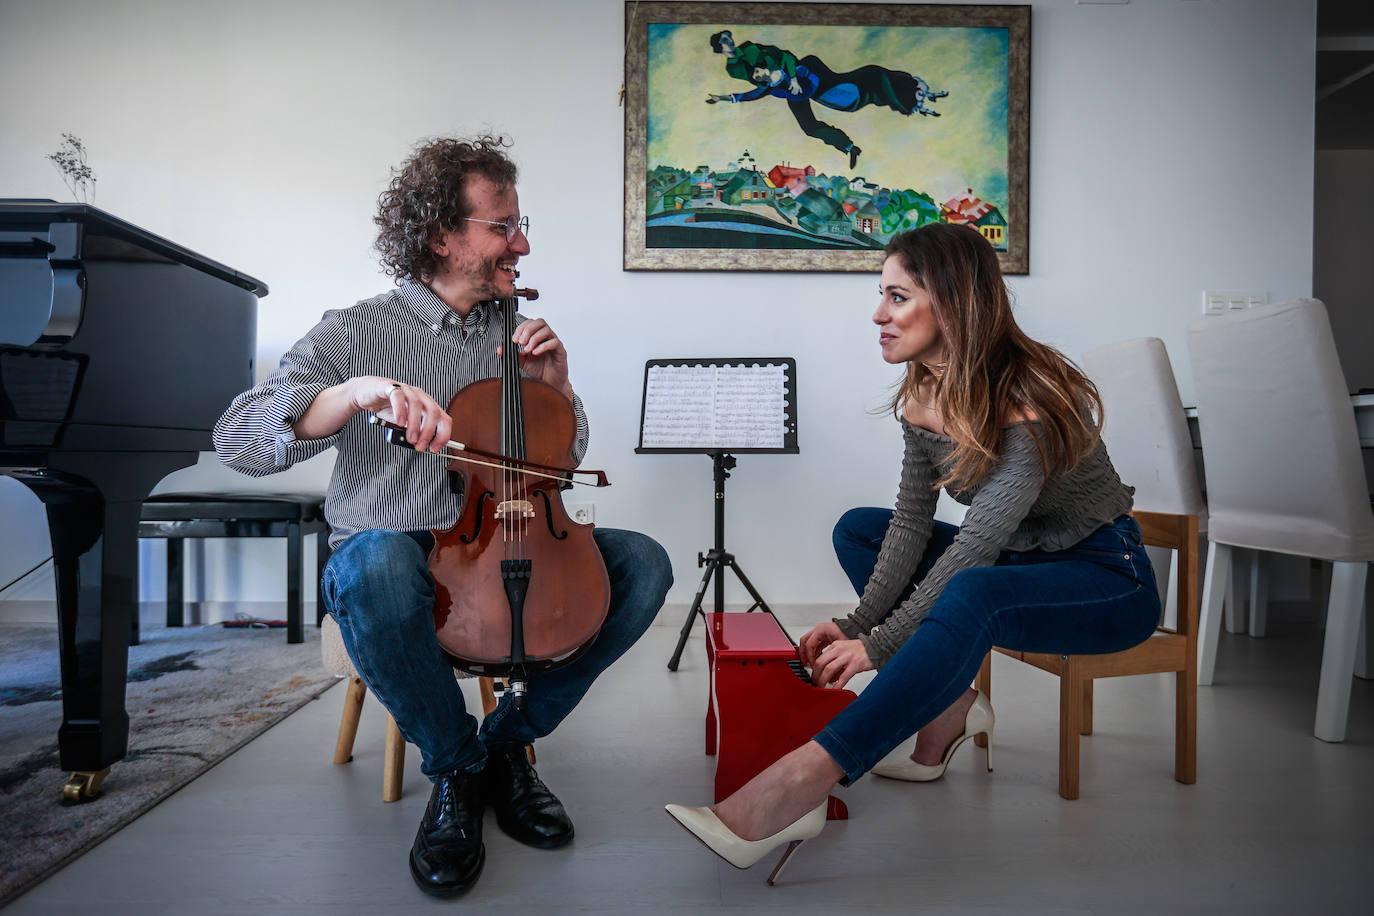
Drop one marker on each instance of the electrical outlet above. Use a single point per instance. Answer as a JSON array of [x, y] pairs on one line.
[[582, 513], [1221, 301]]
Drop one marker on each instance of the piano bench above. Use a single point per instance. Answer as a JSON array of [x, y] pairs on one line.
[[177, 516]]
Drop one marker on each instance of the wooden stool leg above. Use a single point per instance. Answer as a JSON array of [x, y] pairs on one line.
[[1070, 724], [983, 682], [393, 767], [348, 725], [1086, 726]]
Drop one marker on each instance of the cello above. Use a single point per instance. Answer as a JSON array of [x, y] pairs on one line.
[[519, 587]]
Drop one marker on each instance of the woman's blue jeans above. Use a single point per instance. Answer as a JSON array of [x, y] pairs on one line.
[[1098, 596], [378, 587]]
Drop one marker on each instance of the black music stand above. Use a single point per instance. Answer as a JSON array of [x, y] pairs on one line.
[[719, 407]]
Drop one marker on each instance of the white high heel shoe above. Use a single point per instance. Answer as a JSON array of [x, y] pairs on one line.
[[723, 841], [979, 721]]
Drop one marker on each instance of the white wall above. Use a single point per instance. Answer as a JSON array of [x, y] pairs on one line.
[[1171, 152]]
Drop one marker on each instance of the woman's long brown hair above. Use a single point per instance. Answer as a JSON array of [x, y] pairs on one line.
[[994, 370]]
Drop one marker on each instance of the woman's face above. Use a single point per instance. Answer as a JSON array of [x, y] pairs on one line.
[[907, 329]]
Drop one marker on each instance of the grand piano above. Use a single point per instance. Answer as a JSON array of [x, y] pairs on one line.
[[118, 351]]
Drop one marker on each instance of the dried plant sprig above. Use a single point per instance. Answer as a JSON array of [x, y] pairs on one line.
[[70, 160]]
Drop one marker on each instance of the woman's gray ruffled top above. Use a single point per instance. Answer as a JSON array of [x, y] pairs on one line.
[[1013, 508]]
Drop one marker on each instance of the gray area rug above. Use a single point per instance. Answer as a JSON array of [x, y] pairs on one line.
[[195, 695]]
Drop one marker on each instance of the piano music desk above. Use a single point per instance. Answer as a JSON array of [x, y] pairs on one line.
[[760, 707]]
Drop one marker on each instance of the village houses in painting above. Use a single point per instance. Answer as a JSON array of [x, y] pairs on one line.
[[796, 207]]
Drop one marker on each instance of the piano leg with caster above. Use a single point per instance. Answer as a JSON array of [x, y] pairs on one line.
[[93, 503], [82, 787], [118, 349]]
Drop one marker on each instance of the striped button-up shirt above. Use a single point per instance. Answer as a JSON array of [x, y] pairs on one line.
[[408, 335]]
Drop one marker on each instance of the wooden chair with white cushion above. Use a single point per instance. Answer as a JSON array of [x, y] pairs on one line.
[[1284, 472], [1146, 434], [1168, 651]]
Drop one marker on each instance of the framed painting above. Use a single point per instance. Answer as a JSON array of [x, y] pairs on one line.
[[803, 136]]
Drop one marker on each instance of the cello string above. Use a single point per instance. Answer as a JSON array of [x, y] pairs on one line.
[[512, 419], [517, 443], [505, 431], [524, 481], [517, 432], [508, 393]]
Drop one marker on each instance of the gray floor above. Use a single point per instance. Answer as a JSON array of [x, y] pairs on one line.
[[1278, 821]]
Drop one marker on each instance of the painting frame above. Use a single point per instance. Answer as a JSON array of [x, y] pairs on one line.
[[641, 16]]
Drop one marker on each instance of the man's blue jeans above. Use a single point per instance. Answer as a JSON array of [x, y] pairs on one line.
[[1098, 596], [378, 587]]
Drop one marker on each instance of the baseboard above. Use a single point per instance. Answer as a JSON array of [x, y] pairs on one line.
[[154, 613], [797, 618], [28, 612]]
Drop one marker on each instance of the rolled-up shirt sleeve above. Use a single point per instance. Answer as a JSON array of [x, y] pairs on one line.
[[255, 434], [584, 434], [583, 437]]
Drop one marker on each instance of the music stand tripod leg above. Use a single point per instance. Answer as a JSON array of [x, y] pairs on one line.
[[715, 560], [758, 599], [712, 564]]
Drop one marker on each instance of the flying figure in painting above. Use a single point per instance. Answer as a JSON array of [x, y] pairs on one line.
[[777, 72]]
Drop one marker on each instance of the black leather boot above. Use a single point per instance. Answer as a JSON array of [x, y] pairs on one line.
[[524, 806], [448, 854]]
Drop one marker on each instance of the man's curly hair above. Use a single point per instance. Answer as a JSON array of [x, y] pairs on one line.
[[426, 198]]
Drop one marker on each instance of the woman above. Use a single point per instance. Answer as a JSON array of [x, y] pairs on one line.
[[1046, 560]]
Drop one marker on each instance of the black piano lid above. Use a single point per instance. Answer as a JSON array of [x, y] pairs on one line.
[[111, 238]]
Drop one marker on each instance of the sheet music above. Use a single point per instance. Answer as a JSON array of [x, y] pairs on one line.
[[715, 407]]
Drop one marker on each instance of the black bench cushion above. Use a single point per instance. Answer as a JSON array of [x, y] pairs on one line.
[[173, 507]]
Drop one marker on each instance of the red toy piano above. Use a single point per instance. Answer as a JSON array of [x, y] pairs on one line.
[[762, 703]]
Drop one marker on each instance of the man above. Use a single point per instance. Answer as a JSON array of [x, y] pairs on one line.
[[777, 72], [452, 234]]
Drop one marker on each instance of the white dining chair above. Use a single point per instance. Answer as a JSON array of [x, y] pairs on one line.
[[1284, 472], [1146, 433]]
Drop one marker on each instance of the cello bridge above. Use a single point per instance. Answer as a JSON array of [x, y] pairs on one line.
[[514, 508]]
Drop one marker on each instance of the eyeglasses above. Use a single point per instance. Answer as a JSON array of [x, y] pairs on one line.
[[513, 224]]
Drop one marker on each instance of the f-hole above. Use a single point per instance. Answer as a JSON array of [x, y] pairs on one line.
[[548, 516], [480, 503]]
